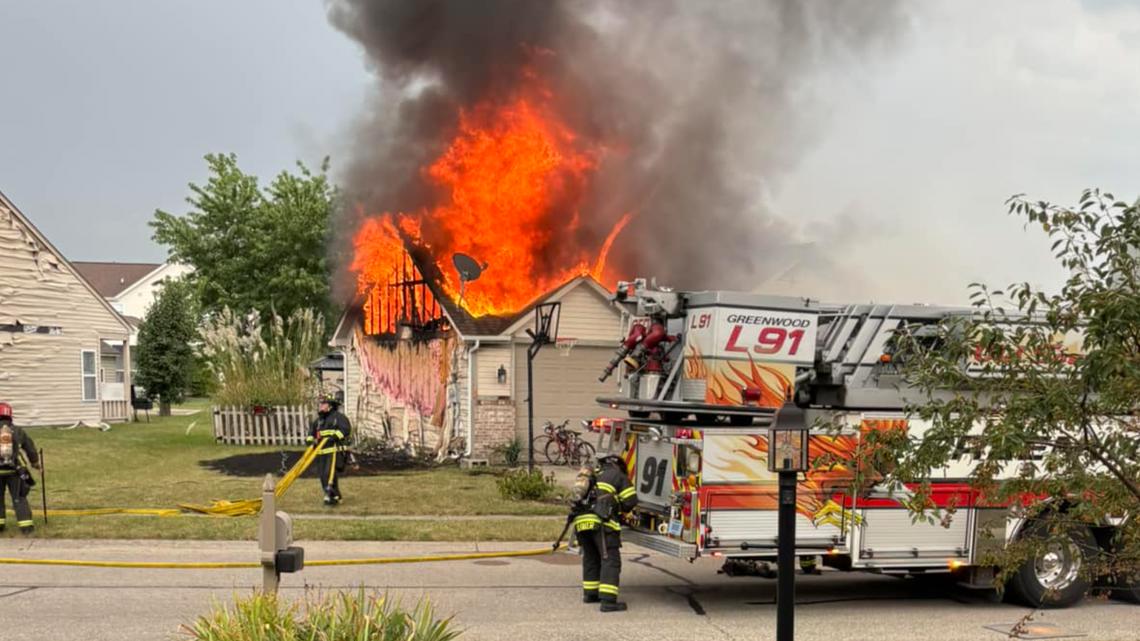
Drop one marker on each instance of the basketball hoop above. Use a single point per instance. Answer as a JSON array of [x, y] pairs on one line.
[[565, 345]]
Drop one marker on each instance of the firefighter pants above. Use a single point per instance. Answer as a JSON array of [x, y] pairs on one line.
[[329, 467], [11, 483], [601, 576]]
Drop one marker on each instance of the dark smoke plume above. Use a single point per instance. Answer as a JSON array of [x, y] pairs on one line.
[[711, 102]]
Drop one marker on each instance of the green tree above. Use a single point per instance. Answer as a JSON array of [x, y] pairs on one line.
[[254, 248], [165, 355], [1051, 382]]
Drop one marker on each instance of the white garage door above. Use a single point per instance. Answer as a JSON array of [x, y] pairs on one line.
[[564, 386]]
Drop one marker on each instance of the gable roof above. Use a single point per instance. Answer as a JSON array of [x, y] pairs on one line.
[[111, 279], [10, 206], [557, 294]]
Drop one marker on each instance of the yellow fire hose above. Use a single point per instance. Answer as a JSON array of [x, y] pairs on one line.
[[220, 507], [245, 564]]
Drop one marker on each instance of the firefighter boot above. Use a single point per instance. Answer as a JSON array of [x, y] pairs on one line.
[[808, 565], [27, 530], [589, 597], [613, 606]]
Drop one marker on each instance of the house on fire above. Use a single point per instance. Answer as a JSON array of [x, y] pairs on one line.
[[63, 349], [420, 369]]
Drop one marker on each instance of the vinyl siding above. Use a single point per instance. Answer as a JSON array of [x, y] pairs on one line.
[[585, 315], [40, 374], [487, 362]]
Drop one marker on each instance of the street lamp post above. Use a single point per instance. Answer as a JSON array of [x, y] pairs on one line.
[[787, 456]]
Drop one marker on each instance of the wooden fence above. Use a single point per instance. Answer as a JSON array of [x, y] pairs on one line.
[[280, 425]]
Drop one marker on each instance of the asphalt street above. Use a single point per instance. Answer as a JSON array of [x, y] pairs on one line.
[[506, 599]]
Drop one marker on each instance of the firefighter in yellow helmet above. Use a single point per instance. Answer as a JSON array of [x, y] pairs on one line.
[[17, 451], [332, 427], [607, 495]]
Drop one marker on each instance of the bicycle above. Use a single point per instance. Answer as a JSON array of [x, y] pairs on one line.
[[540, 442], [565, 446]]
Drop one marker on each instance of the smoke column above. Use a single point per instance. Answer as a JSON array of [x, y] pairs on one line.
[[707, 105]]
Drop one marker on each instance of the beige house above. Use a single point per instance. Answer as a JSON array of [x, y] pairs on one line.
[[130, 288], [457, 376], [57, 334]]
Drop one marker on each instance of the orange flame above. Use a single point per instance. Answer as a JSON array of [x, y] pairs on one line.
[[511, 184]]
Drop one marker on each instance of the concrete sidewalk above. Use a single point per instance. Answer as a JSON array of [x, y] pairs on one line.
[[505, 599]]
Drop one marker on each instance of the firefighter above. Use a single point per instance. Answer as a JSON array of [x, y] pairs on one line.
[[334, 428], [599, 532], [809, 565], [17, 451]]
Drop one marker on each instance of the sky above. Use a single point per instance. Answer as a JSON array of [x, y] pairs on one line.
[[107, 108]]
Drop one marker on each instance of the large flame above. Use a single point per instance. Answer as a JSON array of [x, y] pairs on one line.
[[510, 183]]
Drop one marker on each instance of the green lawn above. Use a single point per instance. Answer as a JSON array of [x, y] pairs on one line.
[[156, 465]]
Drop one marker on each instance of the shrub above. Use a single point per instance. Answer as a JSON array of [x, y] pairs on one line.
[[263, 365], [341, 615], [511, 452], [521, 485]]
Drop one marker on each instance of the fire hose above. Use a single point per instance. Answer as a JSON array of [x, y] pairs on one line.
[[220, 507], [229, 565]]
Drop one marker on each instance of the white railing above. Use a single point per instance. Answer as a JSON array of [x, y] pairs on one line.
[[278, 425], [115, 410]]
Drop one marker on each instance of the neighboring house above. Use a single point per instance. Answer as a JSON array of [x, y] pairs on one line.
[[55, 331], [442, 373], [130, 287]]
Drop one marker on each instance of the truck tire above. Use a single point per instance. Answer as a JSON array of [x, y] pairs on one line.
[[1056, 576]]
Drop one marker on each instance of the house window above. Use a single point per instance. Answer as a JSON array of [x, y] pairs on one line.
[[90, 385]]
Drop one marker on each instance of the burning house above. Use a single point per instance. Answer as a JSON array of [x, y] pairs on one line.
[[421, 369], [557, 145]]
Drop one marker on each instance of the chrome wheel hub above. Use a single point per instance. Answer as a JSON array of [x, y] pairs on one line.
[[1057, 564]]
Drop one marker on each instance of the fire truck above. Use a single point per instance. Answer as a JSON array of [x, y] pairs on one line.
[[704, 375]]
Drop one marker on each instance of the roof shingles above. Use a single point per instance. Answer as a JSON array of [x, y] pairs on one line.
[[111, 279]]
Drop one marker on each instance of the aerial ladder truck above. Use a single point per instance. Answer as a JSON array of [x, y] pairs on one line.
[[704, 375]]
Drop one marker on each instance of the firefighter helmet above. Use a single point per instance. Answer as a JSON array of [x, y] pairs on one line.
[[5, 411], [331, 400]]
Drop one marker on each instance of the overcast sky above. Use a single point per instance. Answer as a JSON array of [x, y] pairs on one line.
[[106, 109]]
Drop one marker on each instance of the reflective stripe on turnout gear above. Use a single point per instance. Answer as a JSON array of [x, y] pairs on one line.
[[586, 522], [626, 493], [613, 525], [28, 523], [606, 588], [332, 450], [590, 586], [606, 487], [337, 433]]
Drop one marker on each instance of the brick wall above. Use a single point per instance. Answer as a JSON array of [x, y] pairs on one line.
[[494, 426]]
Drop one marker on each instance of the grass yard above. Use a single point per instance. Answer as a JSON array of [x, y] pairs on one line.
[[156, 465]]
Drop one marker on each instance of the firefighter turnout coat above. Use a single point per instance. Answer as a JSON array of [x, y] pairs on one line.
[[334, 429], [17, 450], [599, 531]]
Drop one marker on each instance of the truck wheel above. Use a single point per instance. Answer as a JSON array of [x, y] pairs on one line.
[[1056, 576]]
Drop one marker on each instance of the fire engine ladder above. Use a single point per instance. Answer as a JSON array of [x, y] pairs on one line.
[[851, 336]]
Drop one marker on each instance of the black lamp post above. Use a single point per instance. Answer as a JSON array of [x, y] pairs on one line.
[[787, 456], [545, 331]]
